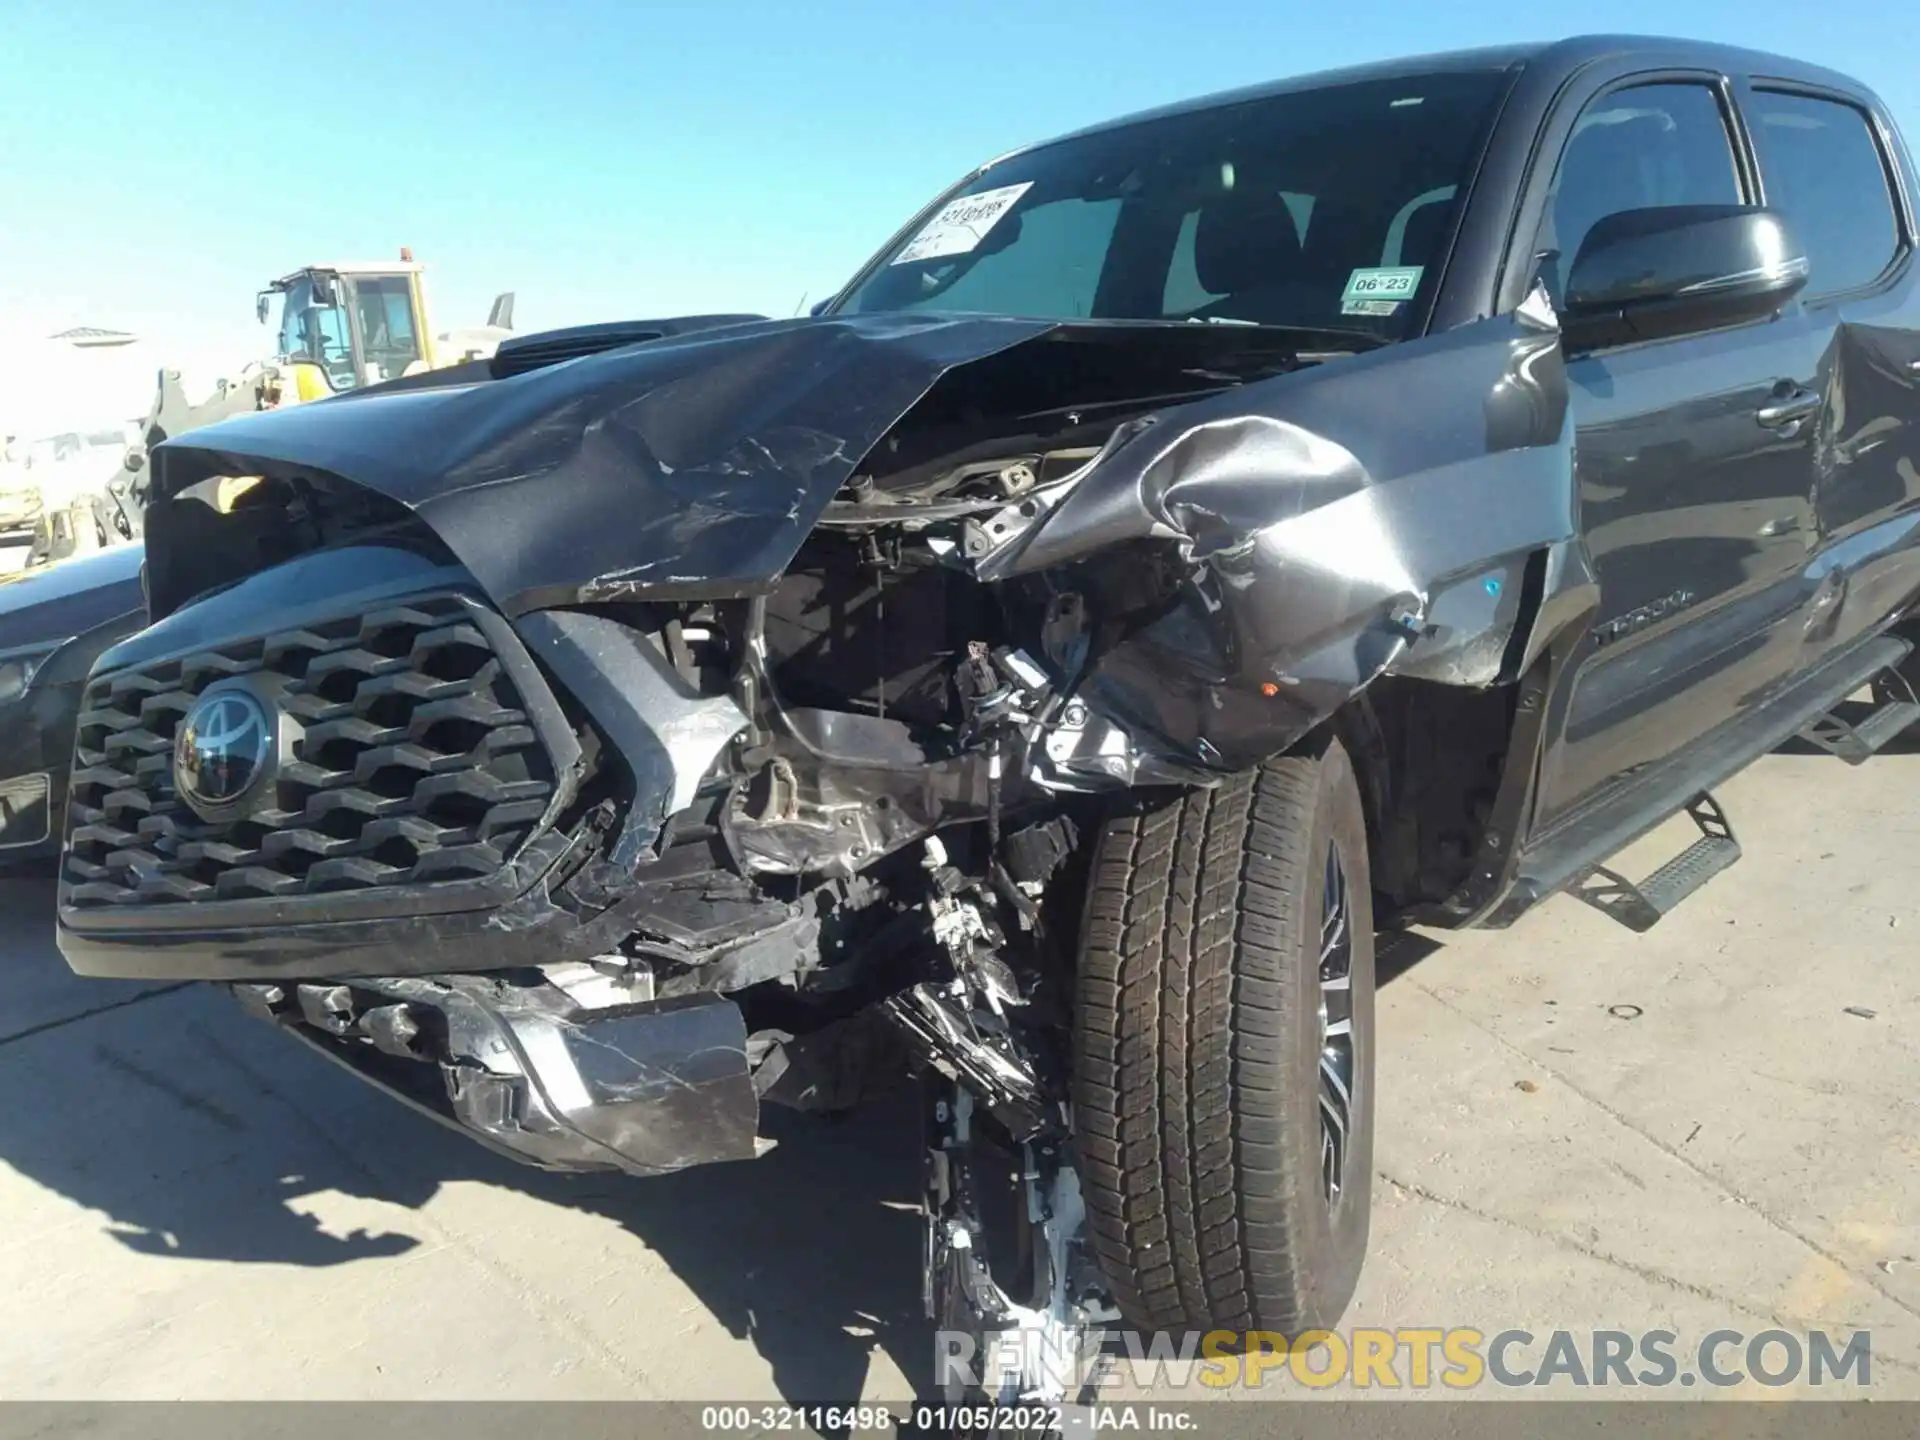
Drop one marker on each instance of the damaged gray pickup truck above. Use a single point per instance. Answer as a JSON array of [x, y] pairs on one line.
[[1187, 548]]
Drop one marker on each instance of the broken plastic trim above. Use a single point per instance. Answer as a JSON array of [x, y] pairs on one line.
[[612, 1084], [666, 735]]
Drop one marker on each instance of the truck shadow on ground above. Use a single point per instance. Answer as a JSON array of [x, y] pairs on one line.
[[198, 1133], [812, 1252], [195, 1132]]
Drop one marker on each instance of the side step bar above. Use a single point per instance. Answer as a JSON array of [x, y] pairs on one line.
[[1639, 907], [1894, 711], [1567, 855]]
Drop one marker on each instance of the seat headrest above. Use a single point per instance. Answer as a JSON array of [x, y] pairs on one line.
[[1425, 229], [1243, 240]]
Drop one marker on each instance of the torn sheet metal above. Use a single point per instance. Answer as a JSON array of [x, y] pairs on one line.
[[692, 465], [1323, 546], [696, 462]]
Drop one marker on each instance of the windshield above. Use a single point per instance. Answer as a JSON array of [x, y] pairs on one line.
[[1326, 208], [311, 329]]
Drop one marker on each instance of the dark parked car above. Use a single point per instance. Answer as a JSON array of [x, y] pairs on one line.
[[54, 623], [1185, 548]]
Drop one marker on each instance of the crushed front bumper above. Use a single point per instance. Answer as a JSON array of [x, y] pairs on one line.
[[593, 1076]]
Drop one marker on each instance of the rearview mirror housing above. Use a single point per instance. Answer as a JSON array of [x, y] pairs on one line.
[[1677, 270]]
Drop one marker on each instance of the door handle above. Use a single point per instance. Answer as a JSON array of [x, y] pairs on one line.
[[1788, 410]]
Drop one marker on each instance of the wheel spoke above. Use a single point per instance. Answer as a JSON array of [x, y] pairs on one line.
[[1333, 928], [1336, 942], [1336, 1027], [1336, 1090], [1335, 1125]]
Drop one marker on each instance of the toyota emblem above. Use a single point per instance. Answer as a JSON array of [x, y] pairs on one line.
[[225, 752]]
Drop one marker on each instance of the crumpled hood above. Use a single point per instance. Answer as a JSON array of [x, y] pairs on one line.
[[692, 465]]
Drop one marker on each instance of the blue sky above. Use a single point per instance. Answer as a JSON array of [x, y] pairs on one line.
[[159, 161]]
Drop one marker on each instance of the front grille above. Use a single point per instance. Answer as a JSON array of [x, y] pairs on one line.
[[414, 763]]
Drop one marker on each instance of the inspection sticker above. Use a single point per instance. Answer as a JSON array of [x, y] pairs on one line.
[[962, 224], [1386, 282]]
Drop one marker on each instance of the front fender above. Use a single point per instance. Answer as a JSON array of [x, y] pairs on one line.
[[1372, 516]]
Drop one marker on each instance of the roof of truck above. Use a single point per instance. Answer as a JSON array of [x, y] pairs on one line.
[[1569, 55]]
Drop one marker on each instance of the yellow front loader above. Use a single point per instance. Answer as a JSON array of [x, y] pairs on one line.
[[337, 327], [347, 325]]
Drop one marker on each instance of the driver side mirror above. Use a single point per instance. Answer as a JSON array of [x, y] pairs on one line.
[[260, 304], [1677, 270]]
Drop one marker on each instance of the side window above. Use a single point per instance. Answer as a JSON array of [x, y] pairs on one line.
[[1824, 173], [1636, 149]]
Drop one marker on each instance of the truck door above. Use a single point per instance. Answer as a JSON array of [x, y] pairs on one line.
[[1828, 167], [1693, 455]]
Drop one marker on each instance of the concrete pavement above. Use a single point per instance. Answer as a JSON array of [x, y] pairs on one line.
[[1580, 1128]]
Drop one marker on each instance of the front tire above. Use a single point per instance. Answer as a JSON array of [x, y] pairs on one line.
[[1223, 1085]]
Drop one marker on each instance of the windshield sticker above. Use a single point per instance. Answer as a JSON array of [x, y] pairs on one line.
[[1369, 307], [1383, 282], [961, 224]]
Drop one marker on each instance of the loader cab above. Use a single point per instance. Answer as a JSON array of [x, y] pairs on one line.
[[344, 326]]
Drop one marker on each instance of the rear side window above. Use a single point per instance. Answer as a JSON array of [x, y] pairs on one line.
[[1824, 173], [1639, 148]]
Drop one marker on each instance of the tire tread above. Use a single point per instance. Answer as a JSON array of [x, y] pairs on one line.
[[1188, 990]]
